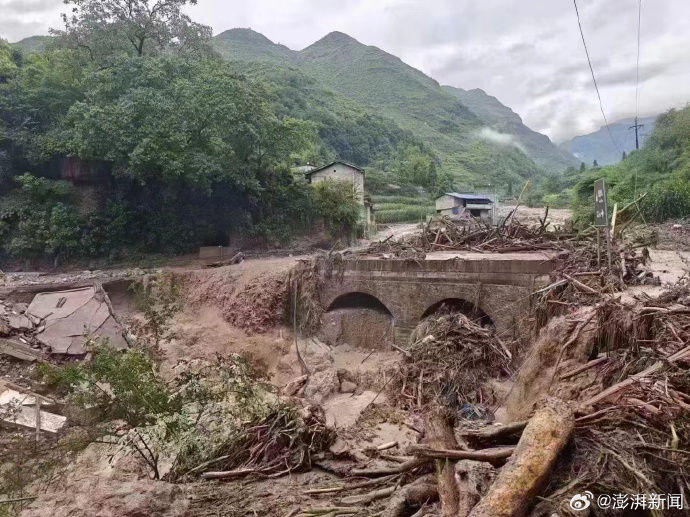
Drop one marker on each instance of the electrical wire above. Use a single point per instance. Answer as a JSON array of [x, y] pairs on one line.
[[637, 66], [594, 80], [637, 88]]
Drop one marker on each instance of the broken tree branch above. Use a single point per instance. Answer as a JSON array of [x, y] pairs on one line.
[[623, 385], [495, 456], [386, 471]]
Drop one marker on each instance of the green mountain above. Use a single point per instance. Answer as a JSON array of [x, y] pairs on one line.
[[512, 130], [32, 43], [459, 127], [248, 45], [599, 146]]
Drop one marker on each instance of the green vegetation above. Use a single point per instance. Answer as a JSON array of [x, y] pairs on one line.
[[404, 214], [448, 126], [390, 201], [164, 147], [197, 416], [507, 124], [337, 206], [661, 169], [126, 133]]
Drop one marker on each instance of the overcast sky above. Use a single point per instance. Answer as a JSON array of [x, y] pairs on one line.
[[527, 53]]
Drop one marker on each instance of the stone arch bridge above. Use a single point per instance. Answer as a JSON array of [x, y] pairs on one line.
[[498, 285]]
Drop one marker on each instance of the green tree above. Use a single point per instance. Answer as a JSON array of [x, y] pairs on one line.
[[109, 29], [177, 120], [38, 220], [415, 166], [8, 61], [336, 203]]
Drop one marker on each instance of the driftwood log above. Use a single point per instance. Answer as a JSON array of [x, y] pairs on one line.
[[439, 432], [521, 479], [494, 435]]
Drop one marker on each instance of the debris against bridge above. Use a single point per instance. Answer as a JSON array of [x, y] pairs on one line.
[[593, 396]]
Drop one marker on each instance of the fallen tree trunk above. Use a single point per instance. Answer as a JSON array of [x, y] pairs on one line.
[[439, 431], [520, 480], [495, 435]]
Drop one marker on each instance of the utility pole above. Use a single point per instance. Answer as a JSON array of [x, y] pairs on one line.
[[636, 126]]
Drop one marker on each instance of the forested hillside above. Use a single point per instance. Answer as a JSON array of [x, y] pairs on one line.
[[125, 134], [438, 117], [660, 171], [32, 43], [511, 130]]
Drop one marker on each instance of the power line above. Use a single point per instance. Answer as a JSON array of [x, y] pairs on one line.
[[637, 66], [637, 126], [594, 80]]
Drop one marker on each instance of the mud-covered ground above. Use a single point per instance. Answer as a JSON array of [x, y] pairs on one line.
[[241, 309]]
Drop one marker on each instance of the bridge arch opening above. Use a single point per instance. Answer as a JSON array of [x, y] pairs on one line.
[[453, 305], [358, 300], [359, 320]]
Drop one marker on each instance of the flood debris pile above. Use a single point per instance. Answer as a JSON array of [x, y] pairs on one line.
[[450, 358], [459, 423], [623, 370], [281, 443], [633, 429], [599, 402], [212, 420], [577, 250], [304, 306]]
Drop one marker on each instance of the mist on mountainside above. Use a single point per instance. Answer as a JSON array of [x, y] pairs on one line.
[[600, 146]]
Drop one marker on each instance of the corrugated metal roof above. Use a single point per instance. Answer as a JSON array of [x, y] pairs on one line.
[[473, 197]]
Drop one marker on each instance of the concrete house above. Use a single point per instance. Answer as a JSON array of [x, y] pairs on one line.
[[463, 206], [342, 171], [339, 171]]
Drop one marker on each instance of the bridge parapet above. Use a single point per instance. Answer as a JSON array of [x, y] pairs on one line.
[[499, 285]]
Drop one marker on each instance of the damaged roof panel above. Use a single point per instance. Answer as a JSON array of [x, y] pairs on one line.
[[71, 315]]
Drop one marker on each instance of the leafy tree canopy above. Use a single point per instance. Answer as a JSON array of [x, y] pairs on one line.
[[108, 29]]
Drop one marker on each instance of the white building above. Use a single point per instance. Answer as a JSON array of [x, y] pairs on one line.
[[339, 171], [342, 171], [463, 206]]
